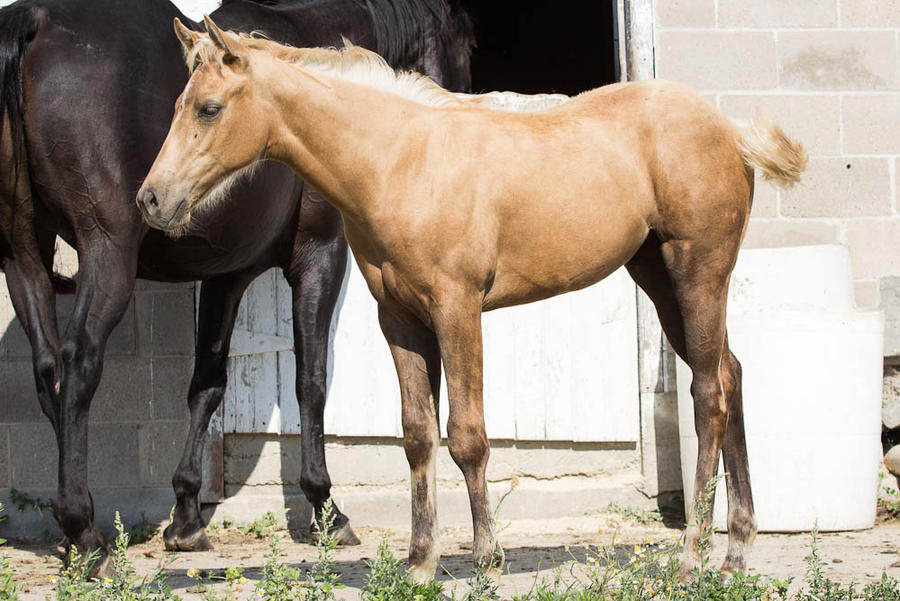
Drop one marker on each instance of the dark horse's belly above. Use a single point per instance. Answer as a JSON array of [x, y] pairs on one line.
[[254, 229]]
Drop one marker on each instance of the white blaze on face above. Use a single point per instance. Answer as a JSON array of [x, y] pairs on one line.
[[186, 93]]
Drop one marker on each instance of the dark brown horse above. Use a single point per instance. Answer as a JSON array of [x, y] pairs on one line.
[[88, 90]]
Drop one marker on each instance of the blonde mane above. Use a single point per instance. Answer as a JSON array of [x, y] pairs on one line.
[[351, 63], [364, 67]]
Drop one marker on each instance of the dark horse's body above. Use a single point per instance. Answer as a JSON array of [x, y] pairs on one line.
[[100, 78]]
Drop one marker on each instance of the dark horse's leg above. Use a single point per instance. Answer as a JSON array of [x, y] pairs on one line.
[[724, 423], [34, 299], [219, 301], [107, 267], [315, 273]]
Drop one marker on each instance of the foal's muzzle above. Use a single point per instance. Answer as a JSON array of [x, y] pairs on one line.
[[153, 212]]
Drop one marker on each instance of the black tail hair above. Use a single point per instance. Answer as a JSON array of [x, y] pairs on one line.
[[18, 26]]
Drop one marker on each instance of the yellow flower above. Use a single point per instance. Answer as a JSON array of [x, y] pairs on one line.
[[52, 578], [193, 572]]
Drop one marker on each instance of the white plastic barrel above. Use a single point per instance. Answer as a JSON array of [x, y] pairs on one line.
[[812, 369]]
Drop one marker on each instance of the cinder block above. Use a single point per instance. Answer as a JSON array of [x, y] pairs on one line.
[[171, 380], [706, 59], [765, 199], [890, 304], [161, 446], [173, 323], [841, 187], [124, 393], [777, 13], [20, 403], [764, 233], [873, 248], [871, 123], [4, 457], [685, 13], [113, 455], [837, 60], [866, 13], [814, 120], [32, 456]]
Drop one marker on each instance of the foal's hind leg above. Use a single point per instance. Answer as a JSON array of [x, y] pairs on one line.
[[418, 361], [689, 289], [741, 515], [219, 301]]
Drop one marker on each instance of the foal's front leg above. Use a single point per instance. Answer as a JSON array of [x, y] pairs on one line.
[[458, 328], [418, 362]]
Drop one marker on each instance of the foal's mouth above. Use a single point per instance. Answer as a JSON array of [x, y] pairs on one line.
[[178, 223]]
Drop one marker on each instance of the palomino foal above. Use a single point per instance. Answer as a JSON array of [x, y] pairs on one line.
[[453, 207]]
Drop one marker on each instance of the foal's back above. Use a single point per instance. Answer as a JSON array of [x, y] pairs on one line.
[[565, 196]]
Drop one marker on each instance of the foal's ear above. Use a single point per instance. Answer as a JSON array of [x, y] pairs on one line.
[[218, 37], [187, 37]]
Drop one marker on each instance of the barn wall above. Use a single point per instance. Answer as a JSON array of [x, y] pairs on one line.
[[828, 71]]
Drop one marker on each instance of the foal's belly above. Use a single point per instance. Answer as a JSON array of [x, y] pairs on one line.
[[560, 259]]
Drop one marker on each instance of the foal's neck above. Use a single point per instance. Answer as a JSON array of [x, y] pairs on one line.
[[339, 136]]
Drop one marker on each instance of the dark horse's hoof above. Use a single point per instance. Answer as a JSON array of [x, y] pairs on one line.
[[196, 541], [343, 533], [345, 536]]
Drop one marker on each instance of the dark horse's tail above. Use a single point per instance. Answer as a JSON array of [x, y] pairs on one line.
[[19, 23]]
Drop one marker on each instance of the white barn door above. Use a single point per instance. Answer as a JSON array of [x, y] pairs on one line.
[[564, 369]]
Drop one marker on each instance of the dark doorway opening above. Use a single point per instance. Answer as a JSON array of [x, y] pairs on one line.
[[543, 46]]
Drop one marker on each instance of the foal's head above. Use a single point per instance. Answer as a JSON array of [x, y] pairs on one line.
[[219, 131]]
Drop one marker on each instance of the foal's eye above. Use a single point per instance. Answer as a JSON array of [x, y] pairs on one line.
[[209, 110]]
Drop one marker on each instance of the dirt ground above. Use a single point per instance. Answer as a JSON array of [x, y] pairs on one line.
[[532, 548]]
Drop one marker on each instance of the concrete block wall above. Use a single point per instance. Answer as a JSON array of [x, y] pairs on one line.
[[828, 70], [138, 416]]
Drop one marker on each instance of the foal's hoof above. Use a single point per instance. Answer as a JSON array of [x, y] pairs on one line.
[[733, 564], [196, 541]]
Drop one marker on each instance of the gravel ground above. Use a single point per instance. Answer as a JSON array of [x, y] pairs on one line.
[[533, 548]]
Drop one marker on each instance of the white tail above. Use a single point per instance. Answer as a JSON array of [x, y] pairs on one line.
[[766, 147]]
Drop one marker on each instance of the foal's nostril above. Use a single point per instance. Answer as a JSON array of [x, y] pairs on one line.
[[148, 202]]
